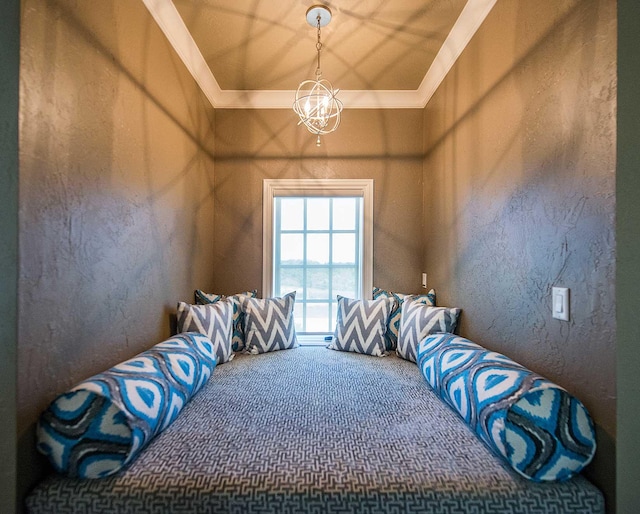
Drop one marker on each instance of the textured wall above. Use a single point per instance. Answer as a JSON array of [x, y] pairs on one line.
[[255, 145], [519, 195], [116, 194]]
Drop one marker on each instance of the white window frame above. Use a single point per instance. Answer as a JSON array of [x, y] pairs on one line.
[[273, 188]]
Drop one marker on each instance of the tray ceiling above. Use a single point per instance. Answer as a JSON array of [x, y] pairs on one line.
[[379, 53]]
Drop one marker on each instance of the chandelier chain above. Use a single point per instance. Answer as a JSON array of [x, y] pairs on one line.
[[318, 47], [316, 104]]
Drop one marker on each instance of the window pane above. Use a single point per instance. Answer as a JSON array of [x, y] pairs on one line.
[[344, 213], [318, 317], [334, 315], [292, 213], [345, 282], [291, 248], [317, 283], [298, 316], [318, 248], [318, 213], [290, 280], [315, 251], [344, 248]]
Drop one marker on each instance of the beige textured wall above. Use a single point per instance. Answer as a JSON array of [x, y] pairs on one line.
[[255, 145], [520, 196], [116, 195]]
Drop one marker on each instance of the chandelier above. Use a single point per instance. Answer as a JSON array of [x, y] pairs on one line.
[[316, 103]]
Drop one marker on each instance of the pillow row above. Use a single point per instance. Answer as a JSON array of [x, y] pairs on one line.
[[241, 322], [103, 423], [538, 428], [389, 321], [362, 325]]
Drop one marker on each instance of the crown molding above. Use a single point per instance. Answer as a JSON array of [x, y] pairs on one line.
[[166, 15], [472, 16], [352, 99]]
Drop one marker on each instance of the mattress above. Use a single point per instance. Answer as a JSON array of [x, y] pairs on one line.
[[315, 430]]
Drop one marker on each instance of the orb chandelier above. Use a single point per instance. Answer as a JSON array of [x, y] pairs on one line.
[[316, 103]]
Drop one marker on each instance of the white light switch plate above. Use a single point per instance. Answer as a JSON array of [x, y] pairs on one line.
[[560, 303], [424, 280]]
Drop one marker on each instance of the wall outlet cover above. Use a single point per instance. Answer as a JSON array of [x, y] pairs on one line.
[[560, 303]]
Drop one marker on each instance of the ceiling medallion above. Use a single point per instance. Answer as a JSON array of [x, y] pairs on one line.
[[316, 103]]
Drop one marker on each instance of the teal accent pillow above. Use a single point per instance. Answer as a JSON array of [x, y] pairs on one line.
[[202, 298]]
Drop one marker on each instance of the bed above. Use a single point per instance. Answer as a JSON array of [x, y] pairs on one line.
[[315, 430]]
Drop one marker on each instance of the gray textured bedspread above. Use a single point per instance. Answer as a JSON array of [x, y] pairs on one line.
[[315, 430]]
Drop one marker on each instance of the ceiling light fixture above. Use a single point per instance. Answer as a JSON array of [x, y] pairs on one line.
[[316, 103]]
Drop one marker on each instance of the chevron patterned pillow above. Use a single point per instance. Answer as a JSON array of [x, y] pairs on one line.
[[269, 323], [202, 298], [393, 325], [418, 320], [543, 432], [361, 325], [213, 320]]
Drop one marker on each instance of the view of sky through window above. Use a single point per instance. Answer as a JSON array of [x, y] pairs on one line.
[[317, 253]]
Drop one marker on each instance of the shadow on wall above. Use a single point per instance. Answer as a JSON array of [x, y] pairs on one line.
[[523, 172], [116, 196], [264, 144]]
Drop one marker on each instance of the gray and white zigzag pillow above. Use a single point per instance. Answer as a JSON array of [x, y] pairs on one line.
[[417, 321], [213, 320], [269, 323], [393, 324], [361, 325], [237, 340]]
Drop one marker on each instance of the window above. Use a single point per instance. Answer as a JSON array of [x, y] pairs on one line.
[[317, 248], [318, 242]]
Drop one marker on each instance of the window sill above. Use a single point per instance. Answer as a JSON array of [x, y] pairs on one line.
[[313, 339]]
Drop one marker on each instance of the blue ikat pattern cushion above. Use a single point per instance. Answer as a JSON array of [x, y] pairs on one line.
[[393, 324], [102, 424], [543, 432], [238, 339]]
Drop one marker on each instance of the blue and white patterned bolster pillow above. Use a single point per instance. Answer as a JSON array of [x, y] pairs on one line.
[[103, 423], [543, 432]]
